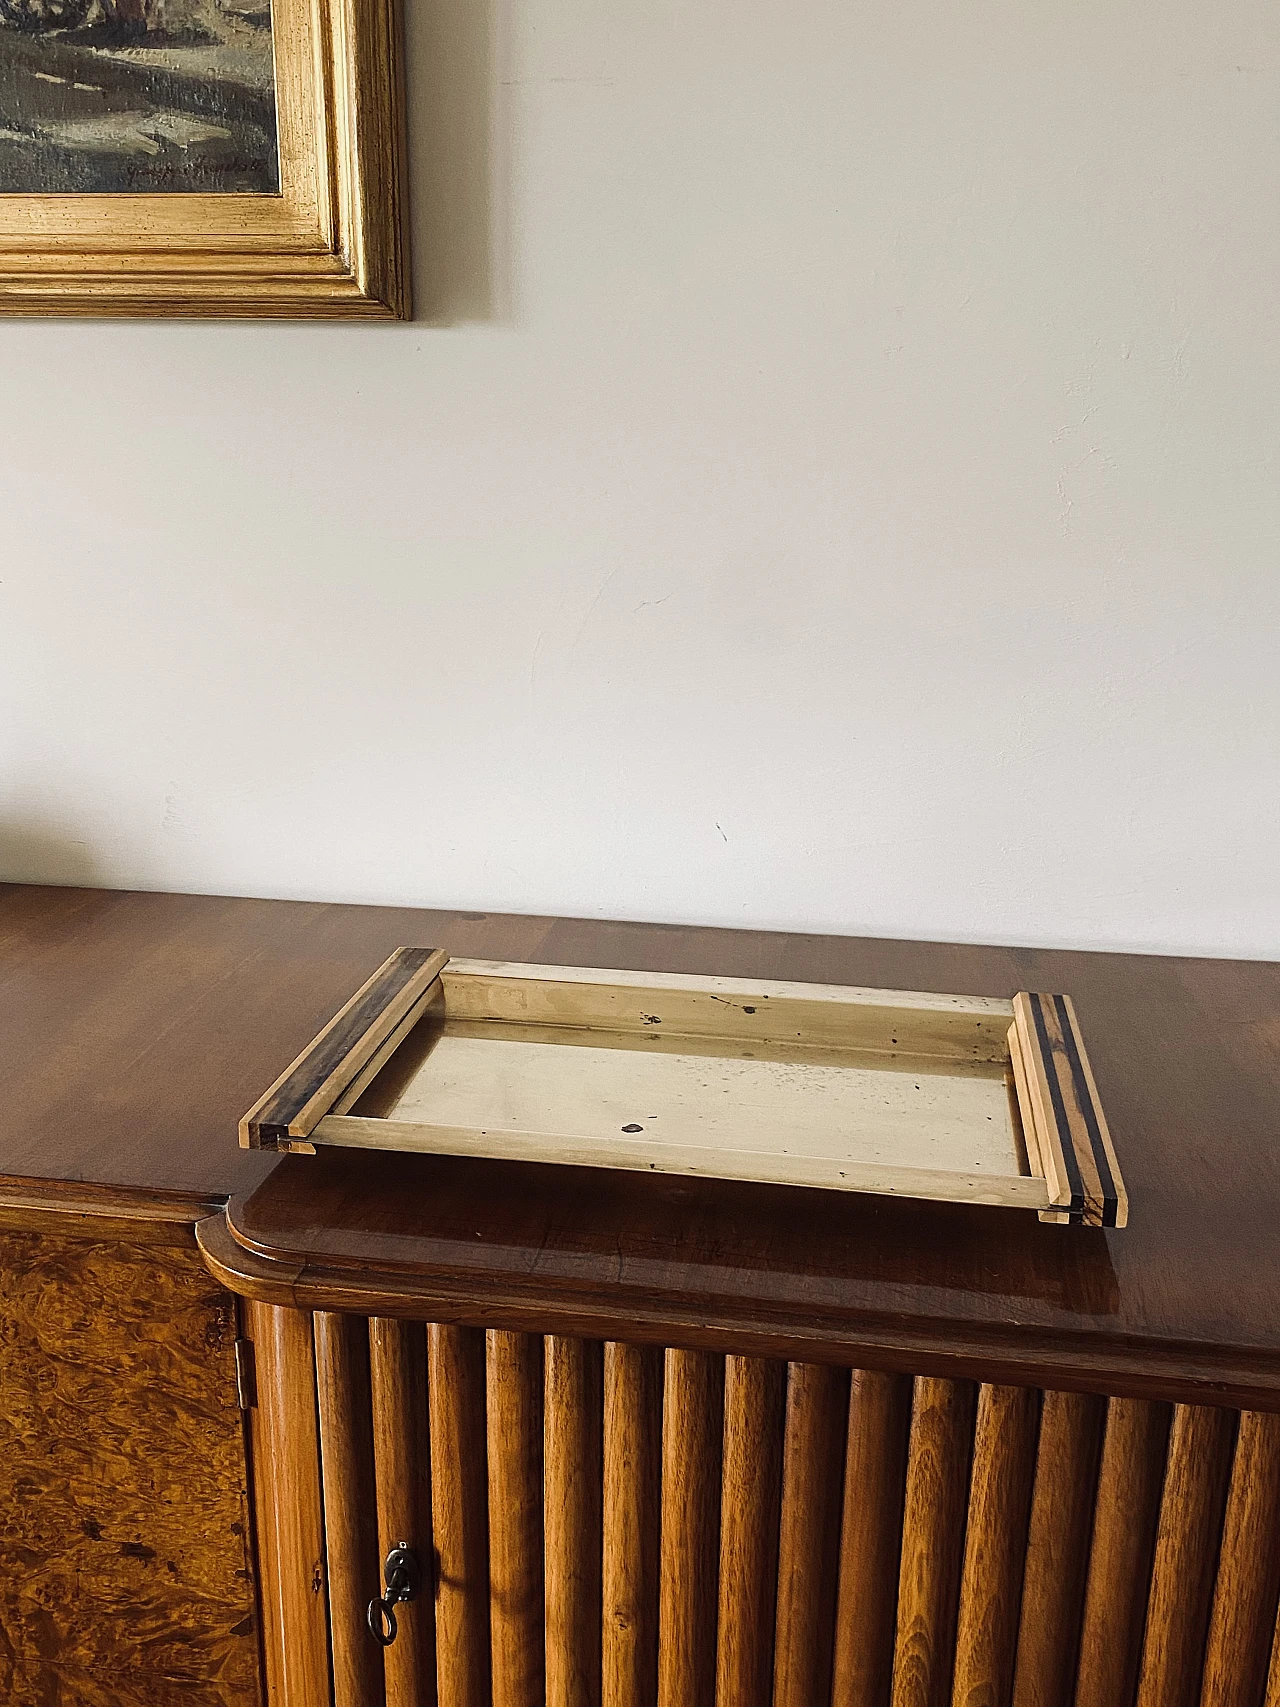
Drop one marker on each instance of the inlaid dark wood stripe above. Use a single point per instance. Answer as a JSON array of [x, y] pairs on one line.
[[351, 1037], [1070, 1161], [1084, 1096]]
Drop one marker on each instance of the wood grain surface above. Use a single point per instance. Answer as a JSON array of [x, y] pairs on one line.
[[871, 1538], [138, 1027], [1185, 1065], [108, 1003], [995, 1543], [692, 1449], [402, 1459], [632, 1507], [813, 1452], [1118, 1585], [126, 1570], [572, 1448], [345, 1412], [459, 1513], [513, 1386], [1057, 1557], [1248, 1586], [750, 1518], [1188, 1538], [939, 1454], [288, 1507]]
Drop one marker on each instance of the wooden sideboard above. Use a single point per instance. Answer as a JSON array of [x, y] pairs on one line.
[[656, 1441]]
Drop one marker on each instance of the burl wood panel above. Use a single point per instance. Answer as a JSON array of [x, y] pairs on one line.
[[125, 1550]]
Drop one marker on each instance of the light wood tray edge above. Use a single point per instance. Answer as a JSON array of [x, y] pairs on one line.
[[364, 1133], [1074, 1175]]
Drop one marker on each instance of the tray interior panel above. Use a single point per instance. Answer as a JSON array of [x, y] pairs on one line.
[[621, 1090]]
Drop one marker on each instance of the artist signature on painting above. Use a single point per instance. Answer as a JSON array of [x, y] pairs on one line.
[[137, 96]]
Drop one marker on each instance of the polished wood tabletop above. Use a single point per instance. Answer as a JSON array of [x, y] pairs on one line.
[[138, 1028]]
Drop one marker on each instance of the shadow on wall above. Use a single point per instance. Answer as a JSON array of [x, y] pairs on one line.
[[454, 51], [44, 851]]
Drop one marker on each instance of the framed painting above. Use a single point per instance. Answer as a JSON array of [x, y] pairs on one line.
[[202, 157]]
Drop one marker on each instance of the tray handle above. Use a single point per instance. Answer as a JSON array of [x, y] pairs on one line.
[[1062, 1114], [308, 1088]]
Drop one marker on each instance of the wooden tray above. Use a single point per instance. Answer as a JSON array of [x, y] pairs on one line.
[[963, 1098]]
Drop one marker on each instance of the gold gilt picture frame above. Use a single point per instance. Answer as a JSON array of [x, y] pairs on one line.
[[230, 158]]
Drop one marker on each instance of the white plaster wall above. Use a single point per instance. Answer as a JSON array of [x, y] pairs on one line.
[[832, 484]]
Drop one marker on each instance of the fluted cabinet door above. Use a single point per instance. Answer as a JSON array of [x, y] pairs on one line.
[[613, 1525]]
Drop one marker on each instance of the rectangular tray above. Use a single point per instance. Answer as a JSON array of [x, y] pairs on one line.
[[966, 1099]]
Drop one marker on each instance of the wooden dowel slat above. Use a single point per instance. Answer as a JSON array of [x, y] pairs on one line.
[[459, 1512], [632, 1503], [263, 1477], [1273, 1675], [938, 1457], [402, 1459], [817, 1421], [345, 1411], [573, 1445], [1124, 1528], [692, 1432], [1004, 1455], [514, 1421], [1192, 1504], [1062, 1505], [1248, 1586], [288, 1504], [871, 1537], [750, 1510]]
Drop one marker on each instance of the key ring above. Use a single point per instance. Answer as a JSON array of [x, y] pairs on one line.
[[404, 1582], [382, 1621]]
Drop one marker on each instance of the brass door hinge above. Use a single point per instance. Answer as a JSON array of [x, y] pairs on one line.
[[246, 1375]]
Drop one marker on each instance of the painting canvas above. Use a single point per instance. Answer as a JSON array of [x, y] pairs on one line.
[[242, 158], [129, 97]]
